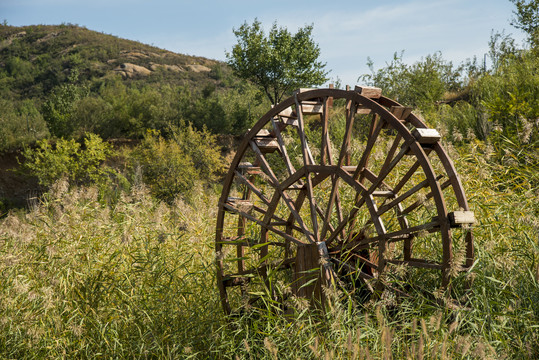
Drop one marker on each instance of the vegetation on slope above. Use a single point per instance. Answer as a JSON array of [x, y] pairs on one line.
[[65, 80]]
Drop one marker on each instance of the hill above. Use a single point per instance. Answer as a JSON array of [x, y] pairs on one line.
[[65, 80], [34, 59]]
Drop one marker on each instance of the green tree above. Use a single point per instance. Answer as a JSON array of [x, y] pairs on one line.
[[277, 63], [527, 18], [58, 109], [421, 84]]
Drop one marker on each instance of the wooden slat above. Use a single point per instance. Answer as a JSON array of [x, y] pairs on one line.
[[288, 116], [369, 91], [244, 205], [247, 167], [459, 218], [266, 144], [325, 151], [307, 260], [401, 112], [383, 193], [311, 107], [363, 110], [426, 136], [252, 187]]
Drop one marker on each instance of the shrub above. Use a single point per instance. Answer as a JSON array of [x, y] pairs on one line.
[[21, 123], [67, 159], [58, 109], [172, 166]]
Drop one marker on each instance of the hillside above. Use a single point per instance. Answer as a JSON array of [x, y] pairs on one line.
[[34, 59], [66, 80]]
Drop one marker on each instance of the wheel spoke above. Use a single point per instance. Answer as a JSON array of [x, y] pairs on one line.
[[377, 211]]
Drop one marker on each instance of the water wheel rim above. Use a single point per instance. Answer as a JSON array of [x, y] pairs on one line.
[[379, 106]]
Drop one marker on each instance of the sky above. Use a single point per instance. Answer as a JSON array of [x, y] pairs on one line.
[[348, 32]]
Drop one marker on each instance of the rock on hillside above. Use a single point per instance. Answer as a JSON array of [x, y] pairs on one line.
[[128, 70]]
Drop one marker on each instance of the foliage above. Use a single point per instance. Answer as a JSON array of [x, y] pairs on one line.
[[172, 167], [421, 84], [68, 75], [527, 18], [278, 63], [21, 123], [66, 159], [57, 110]]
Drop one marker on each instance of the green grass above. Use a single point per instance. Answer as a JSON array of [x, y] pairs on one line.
[[80, 279]]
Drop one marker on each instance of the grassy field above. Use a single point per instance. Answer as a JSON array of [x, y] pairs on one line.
[[135, 279]]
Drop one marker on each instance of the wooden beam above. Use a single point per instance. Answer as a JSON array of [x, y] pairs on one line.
[[369, 91]]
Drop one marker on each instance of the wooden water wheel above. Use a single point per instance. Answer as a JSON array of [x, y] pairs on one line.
[[340, 188]]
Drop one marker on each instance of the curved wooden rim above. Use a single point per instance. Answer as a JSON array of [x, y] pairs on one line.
[[380, 107]]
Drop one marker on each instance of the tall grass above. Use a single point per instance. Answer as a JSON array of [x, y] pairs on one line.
[[80, 279]]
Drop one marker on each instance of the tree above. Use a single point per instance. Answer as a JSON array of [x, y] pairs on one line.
[[527, 18], [278, 63]]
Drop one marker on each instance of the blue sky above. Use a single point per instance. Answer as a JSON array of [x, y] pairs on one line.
[[347, 31]]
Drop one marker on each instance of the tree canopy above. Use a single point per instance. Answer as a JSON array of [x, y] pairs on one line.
[[527, 18], [277, 63]]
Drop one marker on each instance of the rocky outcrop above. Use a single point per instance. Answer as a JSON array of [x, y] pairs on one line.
[[174, 68], [49, 36], [5, 43], [128, 70], [198, 68]]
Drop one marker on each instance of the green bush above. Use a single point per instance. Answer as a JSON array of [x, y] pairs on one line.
[[20, 124], [58, 109], [171, 167], [67, 159]]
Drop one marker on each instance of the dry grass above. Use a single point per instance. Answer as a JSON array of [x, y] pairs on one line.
[[136, 280]]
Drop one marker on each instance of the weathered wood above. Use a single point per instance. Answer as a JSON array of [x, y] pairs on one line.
[[241, 204], [284, 222], [401, 112], [248, 168], [312, 107], [369, 91], [459, 218], [288, 114], [383, 193], [306, 272], [266, 144], [426, 136], [363, 110]]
